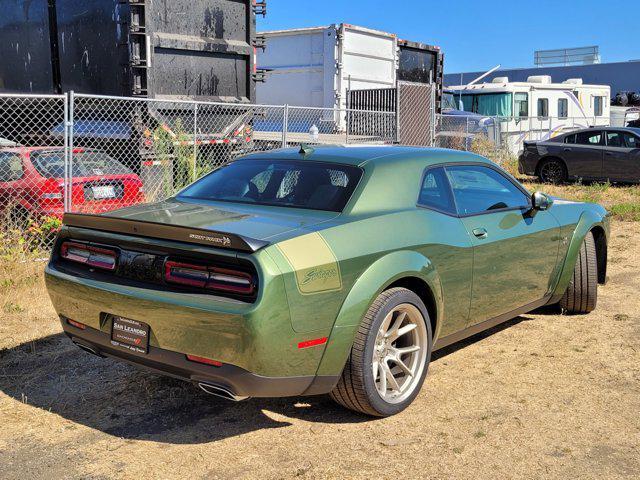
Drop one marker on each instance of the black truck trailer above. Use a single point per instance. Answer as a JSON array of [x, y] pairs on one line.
[[170, 49]]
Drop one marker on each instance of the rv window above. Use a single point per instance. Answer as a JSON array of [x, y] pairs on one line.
[[489, 104], [522, 104], [543, 107], [598, 103], [563, 108]]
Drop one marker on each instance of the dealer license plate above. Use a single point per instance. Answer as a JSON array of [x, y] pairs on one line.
[[130, 334]]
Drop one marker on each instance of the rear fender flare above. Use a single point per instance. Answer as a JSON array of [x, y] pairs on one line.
[[588, 220], [374, 280]]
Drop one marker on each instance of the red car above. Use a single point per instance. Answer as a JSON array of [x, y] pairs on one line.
[[32, 182]]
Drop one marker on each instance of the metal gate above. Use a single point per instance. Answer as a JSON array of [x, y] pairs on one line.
[[416, 114], [414, 103]]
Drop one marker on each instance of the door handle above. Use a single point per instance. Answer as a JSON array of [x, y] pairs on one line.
[[566, 149], [480, 233]]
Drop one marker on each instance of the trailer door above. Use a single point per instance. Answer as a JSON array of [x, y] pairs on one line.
[[368, 59]]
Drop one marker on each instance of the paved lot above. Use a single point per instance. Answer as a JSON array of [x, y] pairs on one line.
[[543, 396]]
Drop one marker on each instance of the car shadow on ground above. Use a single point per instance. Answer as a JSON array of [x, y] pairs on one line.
[[54, 375], [443, 352]]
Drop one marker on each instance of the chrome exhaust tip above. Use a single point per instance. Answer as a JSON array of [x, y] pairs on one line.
[[219, 391]]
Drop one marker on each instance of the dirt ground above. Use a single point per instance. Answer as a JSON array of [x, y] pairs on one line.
[[543, 396]]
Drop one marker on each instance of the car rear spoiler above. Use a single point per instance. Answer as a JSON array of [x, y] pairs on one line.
[[163, 231]]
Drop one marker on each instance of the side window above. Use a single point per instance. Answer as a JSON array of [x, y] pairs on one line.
[[622, 140], [543, 107], [570, 139], [10, 167], [435, 191], [598, 106], [563, 108], [615, 140], [630, 140], [593, 138], [521, 101], [478, 189]]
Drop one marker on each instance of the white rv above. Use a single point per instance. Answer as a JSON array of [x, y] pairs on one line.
[[536, 109]]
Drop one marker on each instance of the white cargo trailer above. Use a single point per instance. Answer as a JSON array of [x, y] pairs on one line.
[[314, 67]]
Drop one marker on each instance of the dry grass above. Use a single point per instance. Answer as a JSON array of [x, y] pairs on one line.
[[544, 396], [622, 201], [25, 309]]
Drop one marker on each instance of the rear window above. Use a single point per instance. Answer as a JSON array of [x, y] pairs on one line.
[[84, 164], [296, 184]]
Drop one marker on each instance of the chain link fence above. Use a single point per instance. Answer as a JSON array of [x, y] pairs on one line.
[[31, 202], [504, 133], [94, 154]]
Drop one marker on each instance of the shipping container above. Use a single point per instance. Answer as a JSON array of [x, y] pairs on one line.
[[168, 49]]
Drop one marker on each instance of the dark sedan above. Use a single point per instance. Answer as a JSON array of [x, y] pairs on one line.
[[603, 154]]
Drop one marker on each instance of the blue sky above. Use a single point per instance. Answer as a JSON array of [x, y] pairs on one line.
[[477, 35]]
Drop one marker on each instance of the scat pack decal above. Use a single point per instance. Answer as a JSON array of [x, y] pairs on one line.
[[314, 264]]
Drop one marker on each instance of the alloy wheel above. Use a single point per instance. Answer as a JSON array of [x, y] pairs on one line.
[[551, 172], [399, 353]]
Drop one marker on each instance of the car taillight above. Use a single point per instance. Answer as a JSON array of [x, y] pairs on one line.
[[79, 325], [210, 278], [103, 258]]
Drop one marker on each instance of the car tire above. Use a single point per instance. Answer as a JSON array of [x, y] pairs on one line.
[[552, 171], [360, 388], [582, 293]]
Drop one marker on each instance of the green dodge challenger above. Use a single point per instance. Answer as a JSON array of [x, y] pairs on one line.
[[337, 270]]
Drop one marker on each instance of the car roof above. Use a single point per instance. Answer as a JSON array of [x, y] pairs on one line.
[[606, 129], [358, 155]]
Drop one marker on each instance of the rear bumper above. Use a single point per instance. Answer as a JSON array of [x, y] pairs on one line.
[[236, 380], [527, 163], [254, 341]]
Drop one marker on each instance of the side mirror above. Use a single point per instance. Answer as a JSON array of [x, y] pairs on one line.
[[541, 201]]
